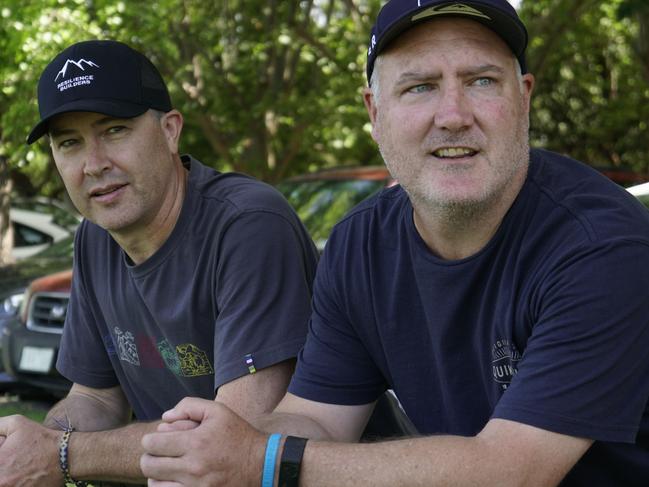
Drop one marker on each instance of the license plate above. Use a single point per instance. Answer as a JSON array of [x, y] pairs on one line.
[[35, 359]]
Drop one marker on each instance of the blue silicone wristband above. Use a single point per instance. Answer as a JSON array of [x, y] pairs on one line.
[[268, 474]]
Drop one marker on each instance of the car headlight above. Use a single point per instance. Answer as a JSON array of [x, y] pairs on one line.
[[11, 303]]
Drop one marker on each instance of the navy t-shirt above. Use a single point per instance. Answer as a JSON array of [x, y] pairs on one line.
[[547, 325], [228, 293]]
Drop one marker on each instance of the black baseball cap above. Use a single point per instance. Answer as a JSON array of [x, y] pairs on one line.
[[106, 77], [397, 16]]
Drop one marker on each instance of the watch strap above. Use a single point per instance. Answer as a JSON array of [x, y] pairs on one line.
[[289, 469]]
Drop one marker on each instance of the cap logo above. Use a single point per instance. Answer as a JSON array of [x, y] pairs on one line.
[[372, 45], [457, 8], [77, 80]]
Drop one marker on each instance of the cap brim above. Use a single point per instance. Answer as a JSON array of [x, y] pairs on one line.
[[112, 108]]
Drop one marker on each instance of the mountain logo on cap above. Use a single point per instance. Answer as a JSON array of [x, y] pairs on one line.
[[456, 8], [79, 64]]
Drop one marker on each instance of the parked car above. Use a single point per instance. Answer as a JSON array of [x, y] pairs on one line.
[[38, 223], [624, 177], [14, 280], [640, 191], [322, 198], [30, 340]]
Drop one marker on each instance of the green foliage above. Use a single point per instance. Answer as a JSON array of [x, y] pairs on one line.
[[274, 88], [591, 100], [268, 88]]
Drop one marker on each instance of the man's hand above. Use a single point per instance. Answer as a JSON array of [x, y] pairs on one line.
[[28, 454], [203, 443]]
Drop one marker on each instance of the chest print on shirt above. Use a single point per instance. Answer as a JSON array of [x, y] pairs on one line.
[[170, 357], [186, 360], [194, 361], [504, 364], [126, 348]]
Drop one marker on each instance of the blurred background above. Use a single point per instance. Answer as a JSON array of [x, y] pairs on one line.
[[273, 88]]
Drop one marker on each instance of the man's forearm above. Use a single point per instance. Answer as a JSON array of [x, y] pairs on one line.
[[85, 411], [103, 445], [504, 453], [112, 455], [414, 462]]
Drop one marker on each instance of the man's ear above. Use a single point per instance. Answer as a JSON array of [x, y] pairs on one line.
[[528, 87], [370, 106], [172, 126]]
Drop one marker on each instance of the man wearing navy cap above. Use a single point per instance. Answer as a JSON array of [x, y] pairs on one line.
[[186, 281], [500, 292]]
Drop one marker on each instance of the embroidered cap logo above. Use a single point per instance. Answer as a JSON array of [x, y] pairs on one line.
[[80, 80], [456, 8]]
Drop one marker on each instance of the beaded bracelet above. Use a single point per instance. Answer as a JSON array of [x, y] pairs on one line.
[[63, 459]]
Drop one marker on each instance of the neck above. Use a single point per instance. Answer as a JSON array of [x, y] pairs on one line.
[[141, 245], [455, 232]]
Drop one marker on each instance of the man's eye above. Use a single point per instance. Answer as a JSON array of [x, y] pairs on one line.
[[116, 129], [422, 88], [483, 82], [67, 143]]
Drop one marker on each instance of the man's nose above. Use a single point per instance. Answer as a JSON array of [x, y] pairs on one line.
[[454, 111], [97, 161]]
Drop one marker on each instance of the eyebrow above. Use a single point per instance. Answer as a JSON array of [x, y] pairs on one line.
[[408, 76], [56, 132]]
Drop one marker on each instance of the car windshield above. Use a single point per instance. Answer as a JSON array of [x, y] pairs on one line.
[[320, 204]]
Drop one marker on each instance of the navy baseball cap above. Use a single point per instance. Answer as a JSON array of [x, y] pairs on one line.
[[106, 77], [397, 16]]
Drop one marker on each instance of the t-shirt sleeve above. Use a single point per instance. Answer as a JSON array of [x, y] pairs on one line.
[[83, 354], [263, 293], [335, 366], [585, 370]]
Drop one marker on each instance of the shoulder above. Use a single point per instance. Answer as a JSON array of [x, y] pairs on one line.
[[235, 192], [384, 208], [370, 230], [585, 198]]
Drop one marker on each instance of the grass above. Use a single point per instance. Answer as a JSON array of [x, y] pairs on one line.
[[12, 405]]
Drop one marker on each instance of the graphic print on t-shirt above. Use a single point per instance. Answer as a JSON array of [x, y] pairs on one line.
[[147, 350], [193, 361], [170, 357], [505, 362], [126, 348], [185, 360]]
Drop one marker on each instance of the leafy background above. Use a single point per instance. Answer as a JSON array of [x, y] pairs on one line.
[[273, 88]]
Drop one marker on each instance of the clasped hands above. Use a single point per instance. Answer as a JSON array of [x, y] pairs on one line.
[[203, 443]]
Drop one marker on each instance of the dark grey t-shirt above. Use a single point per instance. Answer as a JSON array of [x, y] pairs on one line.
[[228, 293]]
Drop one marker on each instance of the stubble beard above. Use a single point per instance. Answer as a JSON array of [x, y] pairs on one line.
[[466, 211]]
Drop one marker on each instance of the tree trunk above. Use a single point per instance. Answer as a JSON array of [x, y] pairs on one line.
[[6, 229]]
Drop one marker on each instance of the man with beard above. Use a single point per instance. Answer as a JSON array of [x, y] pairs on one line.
[[500, 292]]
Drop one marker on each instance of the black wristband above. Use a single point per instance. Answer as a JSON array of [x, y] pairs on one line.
[[289, 469]]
